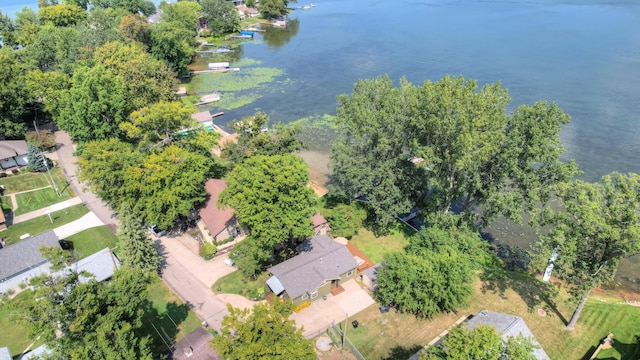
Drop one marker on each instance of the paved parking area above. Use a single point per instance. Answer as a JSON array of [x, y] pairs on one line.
[[322, 313]]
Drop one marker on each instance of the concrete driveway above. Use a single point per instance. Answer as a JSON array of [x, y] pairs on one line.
[[191, 277], [323, 313]]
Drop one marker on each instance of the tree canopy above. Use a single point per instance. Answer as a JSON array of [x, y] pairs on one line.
[[273, 8], [271, 197], [262, 333], [136, 249], [481, 342], [445, 144], [222, 17], [88, 319], [597, 226], [435, 273]]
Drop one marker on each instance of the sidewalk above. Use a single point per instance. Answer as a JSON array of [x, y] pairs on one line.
[[68, 162], [55, 207], [88, 221]]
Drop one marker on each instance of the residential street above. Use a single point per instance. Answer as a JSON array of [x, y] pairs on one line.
[[67, 162]]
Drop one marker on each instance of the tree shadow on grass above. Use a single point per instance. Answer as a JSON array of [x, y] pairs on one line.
[[163, 327], [535, 293], [402, 353]]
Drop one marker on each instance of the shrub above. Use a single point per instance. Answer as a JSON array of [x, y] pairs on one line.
[[208, 251], [23, 285], [205, 33], [11, 292]]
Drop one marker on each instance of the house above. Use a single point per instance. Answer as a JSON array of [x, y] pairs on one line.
[[194, 346], [21, 261], [221, 223], [13, 153], [320, 224], [41, 352], [243, 11], [319, 269], [369, 277], [202, 116], [509, 326], [5, 354], [102, 265]]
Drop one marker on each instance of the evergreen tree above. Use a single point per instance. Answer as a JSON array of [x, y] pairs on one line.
[[136, 249], [37, 161]]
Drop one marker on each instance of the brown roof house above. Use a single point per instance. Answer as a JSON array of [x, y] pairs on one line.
[[320, 224], [194, 346], [221, 223], [319, 269], [13, 153]]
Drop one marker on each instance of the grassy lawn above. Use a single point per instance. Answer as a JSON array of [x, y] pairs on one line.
[[375, 247], [397, 336], [235, 283], [42, 223], [15, 336], [6, 204], [26, 180], [38, 199], [169, 315], [92, 240]]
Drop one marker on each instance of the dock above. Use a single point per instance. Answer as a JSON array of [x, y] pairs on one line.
[[222, 70], [208, 99]]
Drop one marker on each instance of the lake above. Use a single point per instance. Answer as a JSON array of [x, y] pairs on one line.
[[584, 55]]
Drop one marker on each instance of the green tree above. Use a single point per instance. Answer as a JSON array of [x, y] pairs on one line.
[[281, 203], [273, 8], [102, 166], [136, 249], [47, 87], [8, 30], [101, 27], [94, 106], [96, 320], [135, 28], [167, 185], [147, 80], [598, 225], [371, 155], [256, 139], [262, 333], [145, 7], [445, 143], [37, 161], [44, 139], [345, 219], [158, 123], [14, 98], [173, 44], [221, 16], [434, 275], [185, 13], [62, 14]]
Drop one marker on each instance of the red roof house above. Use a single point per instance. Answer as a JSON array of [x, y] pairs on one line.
[[221, 223]]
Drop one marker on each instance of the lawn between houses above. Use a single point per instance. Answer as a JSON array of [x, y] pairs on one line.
[[26, 180], [43, 223], [398, 336], [92, 240]]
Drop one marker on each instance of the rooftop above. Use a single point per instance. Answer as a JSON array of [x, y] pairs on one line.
[[25, 254], [11, 148], [320, 259], [215, 219], [195, 346]]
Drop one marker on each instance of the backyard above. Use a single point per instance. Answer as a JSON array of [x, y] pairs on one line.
[[26, 180], [235, 283]]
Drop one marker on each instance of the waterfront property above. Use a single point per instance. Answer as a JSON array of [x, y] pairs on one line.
[[321, 267]]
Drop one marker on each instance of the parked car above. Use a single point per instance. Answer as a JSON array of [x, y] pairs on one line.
[[155, 230]]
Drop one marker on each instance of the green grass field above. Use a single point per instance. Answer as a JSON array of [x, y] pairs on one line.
[[397, 336], [6, 204], [92, 240], [235, 283], [14, 335], [169, 319], [375, 247], [42, 223], [38, 199], [26, 180]]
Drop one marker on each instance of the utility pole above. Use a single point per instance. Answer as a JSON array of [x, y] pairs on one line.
[[46, 161]]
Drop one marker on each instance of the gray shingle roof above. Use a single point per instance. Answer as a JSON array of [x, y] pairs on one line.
[[320, 259], [198, 342], [508, 325], [372, 272], [24, 255], [5, 354]]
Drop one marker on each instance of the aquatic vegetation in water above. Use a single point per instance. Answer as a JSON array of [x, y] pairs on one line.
[[244, 62], [245, 79], [317, 131], [229, 102]]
